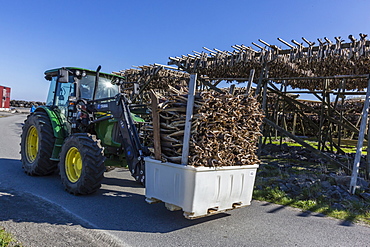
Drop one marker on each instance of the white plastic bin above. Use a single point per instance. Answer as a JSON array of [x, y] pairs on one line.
[[199, 191]]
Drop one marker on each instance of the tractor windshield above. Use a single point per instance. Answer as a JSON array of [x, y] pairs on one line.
[[105, 88]]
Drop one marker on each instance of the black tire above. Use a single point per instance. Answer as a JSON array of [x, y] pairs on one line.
[[81, 164], [36, 158]]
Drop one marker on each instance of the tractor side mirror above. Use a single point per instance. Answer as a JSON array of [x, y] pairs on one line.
[[48, 77], [63, 76]]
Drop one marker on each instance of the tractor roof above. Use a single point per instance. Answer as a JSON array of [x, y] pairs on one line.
[[54, 71]]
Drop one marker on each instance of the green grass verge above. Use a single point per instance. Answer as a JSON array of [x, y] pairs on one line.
[[6, 239], [357, 212], [346, 148]]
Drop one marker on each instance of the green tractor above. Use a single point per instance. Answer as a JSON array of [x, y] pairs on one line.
[[86, 125]]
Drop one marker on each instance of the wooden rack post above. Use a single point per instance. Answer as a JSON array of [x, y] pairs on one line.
[[156, 126], [356, 163], [189, 116], [250, 80], [367, 171]]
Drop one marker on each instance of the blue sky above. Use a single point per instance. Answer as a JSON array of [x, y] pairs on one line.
[[39, 35]]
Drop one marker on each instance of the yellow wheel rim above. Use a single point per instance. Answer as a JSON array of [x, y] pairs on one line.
[[32, 144], [73, 164]]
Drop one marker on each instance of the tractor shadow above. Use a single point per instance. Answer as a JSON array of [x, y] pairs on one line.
[[125, 204], [119, 205]]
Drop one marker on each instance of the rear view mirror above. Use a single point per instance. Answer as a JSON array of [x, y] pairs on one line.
[[63, 76], [48, 77]]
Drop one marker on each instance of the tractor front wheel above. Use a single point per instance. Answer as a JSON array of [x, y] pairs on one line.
[[81, 164], [37, 143]]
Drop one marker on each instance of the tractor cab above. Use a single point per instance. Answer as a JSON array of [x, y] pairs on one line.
[[79, 83]]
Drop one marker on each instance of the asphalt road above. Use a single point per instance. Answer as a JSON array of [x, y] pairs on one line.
[[118, 214]]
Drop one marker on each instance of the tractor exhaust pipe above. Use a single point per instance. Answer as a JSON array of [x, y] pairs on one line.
[[96, 80]]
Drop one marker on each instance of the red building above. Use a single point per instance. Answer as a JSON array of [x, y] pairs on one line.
[[4, 97]]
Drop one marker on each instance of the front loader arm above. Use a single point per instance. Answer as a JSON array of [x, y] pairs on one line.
[[131, 141], [119, 109]]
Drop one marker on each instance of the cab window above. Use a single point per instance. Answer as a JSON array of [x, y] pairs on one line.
[[87, 85], [50, 98], [63, 91]]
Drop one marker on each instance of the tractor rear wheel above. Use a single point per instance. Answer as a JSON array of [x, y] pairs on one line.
[[37, 143], [81, 164]]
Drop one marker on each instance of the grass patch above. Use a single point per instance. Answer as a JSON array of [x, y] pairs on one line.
[[356, 212], [300, 183], [347, 146], [6, 239]]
